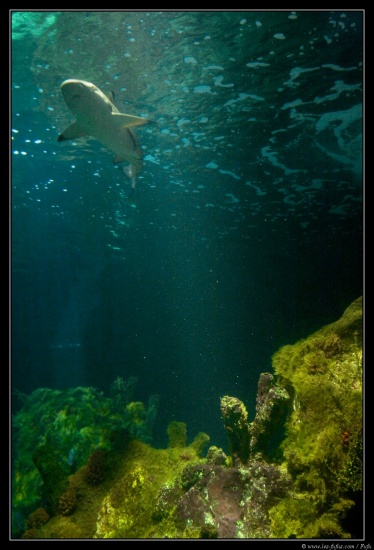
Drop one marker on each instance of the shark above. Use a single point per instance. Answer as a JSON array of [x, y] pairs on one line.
[[97, 116]]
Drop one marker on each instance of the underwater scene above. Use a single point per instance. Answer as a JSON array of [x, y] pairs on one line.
[[186, 222]]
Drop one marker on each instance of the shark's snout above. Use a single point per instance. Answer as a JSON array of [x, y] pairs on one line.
[[73, 82], [72, 90]]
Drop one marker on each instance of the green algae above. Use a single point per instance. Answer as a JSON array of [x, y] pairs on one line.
[[323, 445], [177, 432], [125, 505], [71, 424], [324, 375], [53, 474], [235, 418]]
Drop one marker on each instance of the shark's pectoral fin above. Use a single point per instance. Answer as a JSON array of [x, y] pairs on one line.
[[128, 121], [73, 131]]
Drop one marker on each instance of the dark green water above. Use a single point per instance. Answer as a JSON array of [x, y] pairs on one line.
[[245, 230]]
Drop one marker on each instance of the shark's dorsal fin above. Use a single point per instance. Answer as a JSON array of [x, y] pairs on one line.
[[73, 131]]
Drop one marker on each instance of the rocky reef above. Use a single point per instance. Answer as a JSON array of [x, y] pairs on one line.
[[294, 471]]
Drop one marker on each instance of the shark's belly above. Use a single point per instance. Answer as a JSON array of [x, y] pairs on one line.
[[121, 141]]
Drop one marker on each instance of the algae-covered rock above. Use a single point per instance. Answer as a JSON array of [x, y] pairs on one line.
[[68, 425], [200, 443], [271, 409], [53, 474], [235, 419], [263, 435], [231, 501], [295, 471], [309, 423], [136, 499], [177, 432], [323, 447]]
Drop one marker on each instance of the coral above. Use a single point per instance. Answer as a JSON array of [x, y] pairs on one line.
[[264, 434], [166, 502], [67, 502], [199, 443], [53, 474], [267, 484], [136, 412], [208, 532], [351, 476], [177, 432], [139, 420], [271, 410], [122, 392], [235, 417], [120, 438], [152, 410], [192, 474], [96, 466], [216, 456], [30, 534], [213, 499], [37, 518]]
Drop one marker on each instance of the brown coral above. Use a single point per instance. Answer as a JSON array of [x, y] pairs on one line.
[[96, 467], [67, 502], [30, 534], [37, 518]]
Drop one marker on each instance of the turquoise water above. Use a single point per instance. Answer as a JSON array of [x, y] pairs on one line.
[[245, 229]]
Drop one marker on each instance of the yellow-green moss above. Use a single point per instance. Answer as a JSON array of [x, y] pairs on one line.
[[137, 411], [177, 432], [123, 505], [323, 446], [300, 518]]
